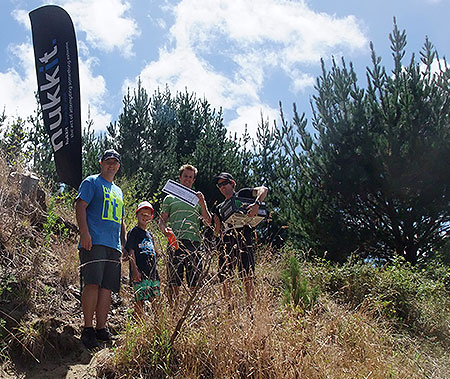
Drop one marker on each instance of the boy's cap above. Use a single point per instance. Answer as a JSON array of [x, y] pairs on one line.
[[144, 204], [111, 153], [223, 175]]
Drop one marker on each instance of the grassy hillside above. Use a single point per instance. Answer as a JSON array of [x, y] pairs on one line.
[[311, 319]]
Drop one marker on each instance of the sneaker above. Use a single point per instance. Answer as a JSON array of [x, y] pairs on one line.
[[88, 338], [103, 334]]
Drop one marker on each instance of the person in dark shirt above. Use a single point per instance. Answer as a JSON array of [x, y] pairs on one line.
[[236, 247], [141, 249]]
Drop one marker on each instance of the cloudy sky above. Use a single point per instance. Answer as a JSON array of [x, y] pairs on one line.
[[244, 56]]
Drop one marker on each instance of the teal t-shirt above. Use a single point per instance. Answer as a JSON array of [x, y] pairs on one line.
[[104, 212], [184, 219]]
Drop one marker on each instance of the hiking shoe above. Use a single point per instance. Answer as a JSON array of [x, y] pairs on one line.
[[103, 334], [88, 338]]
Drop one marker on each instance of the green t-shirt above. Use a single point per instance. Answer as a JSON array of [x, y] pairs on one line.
[[184, 219]]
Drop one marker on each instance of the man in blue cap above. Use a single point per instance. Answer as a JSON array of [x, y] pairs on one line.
[[99, 212]]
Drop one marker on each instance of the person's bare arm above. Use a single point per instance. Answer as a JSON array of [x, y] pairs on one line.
[[136, 274], [260, 193], [206, 216], [162, 223], [85, 236], [123, 241], [123, 233], [217, 226]]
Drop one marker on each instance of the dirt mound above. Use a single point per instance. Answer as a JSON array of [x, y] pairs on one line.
[[40, 310]]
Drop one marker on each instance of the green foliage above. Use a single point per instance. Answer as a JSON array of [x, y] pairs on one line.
[[3, 340], [297, 290], [268, 169], [13, 141], [215, 153], [409, 296], [12, 289], [40, 150], [6, 282], [144, 350], [53, 224], [157, 134], [93, 147], [373, 177]]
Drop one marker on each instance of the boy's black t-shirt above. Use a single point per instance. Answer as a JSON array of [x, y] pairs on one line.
[[141, 241]]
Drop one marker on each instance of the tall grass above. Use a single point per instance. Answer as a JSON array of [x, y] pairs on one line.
[[37, 265], [355, 320], [407, 296], [270, 339]]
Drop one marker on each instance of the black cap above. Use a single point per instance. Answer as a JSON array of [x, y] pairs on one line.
[[111, 153], [223, 175]]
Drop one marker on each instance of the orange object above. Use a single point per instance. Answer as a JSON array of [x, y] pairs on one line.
[[172, 240]]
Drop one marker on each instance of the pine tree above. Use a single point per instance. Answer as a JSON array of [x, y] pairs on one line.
[[375, 178]]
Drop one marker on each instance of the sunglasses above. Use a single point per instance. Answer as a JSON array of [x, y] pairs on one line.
[[221, 184]]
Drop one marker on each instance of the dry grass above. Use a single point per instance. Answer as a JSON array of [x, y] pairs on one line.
[[269, 340], [39, 279], [37, 268]]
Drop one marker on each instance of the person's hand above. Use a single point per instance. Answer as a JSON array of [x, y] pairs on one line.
[[168, 232], [171, 239], [201, 198], [125, 255], [137, 276], [86, 241], [252, 210]]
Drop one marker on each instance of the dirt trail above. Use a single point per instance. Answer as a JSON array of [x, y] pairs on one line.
[[63, 355], [78, 364]]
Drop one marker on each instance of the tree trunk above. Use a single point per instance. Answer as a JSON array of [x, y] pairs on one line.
[[411, 254]]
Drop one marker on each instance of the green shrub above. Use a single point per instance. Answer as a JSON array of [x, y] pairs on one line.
[[407, 295], [3, 340], [53, 224], [297, 290]]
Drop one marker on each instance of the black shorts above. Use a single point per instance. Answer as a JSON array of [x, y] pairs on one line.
[[187, 257], [236, 251], [101, 266]]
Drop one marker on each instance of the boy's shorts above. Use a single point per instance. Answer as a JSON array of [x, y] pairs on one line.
[[146, 289], [101, 266]]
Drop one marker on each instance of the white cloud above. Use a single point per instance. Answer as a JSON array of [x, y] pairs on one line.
[[250, 117], [22, 17], [17, 95], [436, 66], [182, 68], [93, 91], [249, 39], [105, 23], [301, 80]]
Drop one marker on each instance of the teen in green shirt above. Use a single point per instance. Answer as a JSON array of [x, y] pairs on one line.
[[183, 221]]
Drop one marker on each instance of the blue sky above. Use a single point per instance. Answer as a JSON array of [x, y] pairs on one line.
[[244, 56]]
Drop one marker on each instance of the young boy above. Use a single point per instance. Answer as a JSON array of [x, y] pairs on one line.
[[141, 249]]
